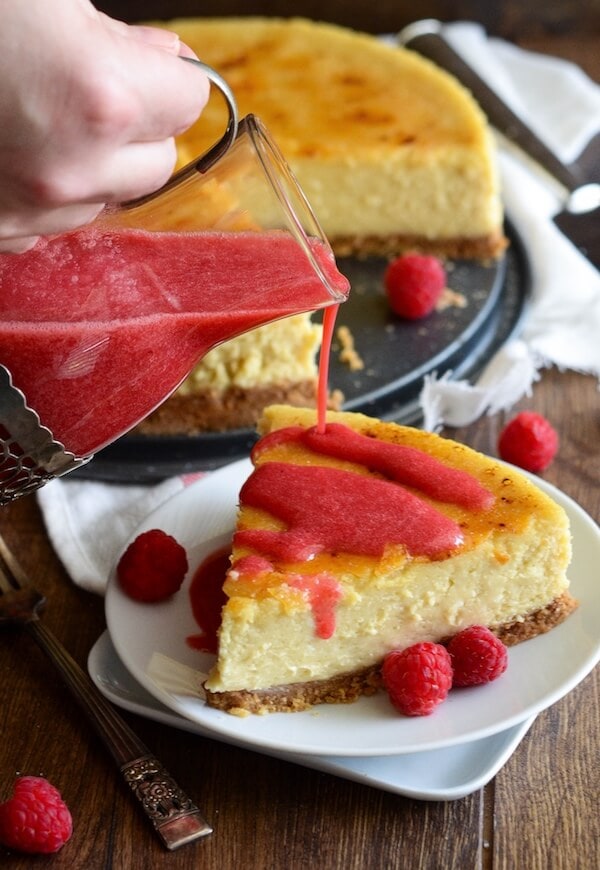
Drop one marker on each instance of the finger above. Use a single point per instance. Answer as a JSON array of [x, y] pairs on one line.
[[186, 51], [166, 39], [170, 94], [19, 245], [158, 36], [132, 171], [138, 169], [111, 23], [101, 175], [48, 222]]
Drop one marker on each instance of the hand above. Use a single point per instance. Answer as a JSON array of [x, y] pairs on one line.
[[89, 108]]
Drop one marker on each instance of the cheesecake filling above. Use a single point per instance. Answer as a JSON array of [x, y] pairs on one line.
[[271, 639]]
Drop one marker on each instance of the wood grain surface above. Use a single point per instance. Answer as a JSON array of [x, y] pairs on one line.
[[541, 812]]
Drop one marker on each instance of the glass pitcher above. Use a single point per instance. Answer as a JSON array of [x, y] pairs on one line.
[[100, 325]]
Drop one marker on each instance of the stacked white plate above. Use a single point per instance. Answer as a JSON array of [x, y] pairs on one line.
[[444, 756]]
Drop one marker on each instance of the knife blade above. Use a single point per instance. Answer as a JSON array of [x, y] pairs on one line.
[[579, 198]]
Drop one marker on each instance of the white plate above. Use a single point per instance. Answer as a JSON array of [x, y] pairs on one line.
[[439, 775], [540, 671]]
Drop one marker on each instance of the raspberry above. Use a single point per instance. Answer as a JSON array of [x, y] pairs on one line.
[[478, 656], [528, 441], [35, 819], [414, 283], [417, 678], [152, 567]]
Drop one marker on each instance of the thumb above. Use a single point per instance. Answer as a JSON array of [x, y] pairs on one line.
[[156, 36]]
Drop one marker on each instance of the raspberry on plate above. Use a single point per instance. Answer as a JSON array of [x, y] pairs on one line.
[[413, 284], [35, 819], [417, 678], [528, 441], [153, 567], [477, 655]]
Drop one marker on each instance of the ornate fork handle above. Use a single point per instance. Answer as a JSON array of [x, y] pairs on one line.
[[174, 816]]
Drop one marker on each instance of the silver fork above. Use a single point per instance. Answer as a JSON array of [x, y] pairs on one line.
[[174, 816]]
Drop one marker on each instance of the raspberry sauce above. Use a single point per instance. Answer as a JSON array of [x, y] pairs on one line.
[[320, 590], [323, 593], [329, 318], [395, 516], [207, 599], [405, 465], [99, 326]]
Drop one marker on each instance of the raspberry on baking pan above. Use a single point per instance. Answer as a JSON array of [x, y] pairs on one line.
[[413, 284]]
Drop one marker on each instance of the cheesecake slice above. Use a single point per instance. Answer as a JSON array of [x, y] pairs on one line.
[[368, 537], [392, 152]]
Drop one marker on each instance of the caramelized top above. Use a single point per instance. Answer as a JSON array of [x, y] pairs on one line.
[[324, 90]]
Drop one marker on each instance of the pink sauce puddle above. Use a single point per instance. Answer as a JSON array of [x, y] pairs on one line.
[[207, 599]]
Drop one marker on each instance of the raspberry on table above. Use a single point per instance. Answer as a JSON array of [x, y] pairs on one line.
[[417, 678], [153, 567], [35, 819], [477, 655], [528, 441], [414, 284]]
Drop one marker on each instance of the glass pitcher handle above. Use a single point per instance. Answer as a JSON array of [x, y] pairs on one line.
[[219, 148]]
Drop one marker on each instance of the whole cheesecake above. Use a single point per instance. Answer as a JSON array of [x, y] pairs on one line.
[[232, 384], [367, 537], [391, 151]]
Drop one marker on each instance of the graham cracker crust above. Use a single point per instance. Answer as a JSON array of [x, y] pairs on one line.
[[295, 697], [346, 688], [512, 633], [482, 248], [222, 411]]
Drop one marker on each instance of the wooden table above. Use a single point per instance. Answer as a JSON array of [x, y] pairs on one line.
[[541, 812]]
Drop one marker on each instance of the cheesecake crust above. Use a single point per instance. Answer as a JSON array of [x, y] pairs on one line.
[[220, 411], [346, 688], [540, 622], [343, 689], [481, 248]]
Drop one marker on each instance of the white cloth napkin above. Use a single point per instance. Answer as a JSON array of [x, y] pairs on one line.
[[562, 105], [89, 522]]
